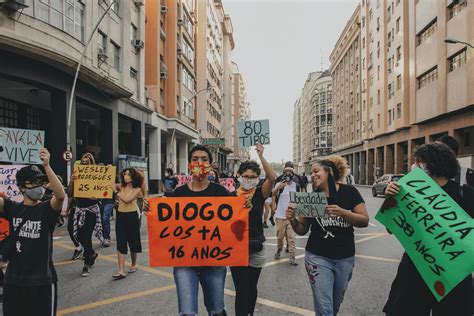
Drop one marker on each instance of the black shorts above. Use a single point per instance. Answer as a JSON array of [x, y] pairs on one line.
[[30, 300], [127, 229]]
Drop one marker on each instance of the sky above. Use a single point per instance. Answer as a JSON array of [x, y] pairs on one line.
[[278, 43]]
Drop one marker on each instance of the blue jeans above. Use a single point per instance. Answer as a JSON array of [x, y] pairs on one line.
[[106, 215], [328, 279], [212, 280]]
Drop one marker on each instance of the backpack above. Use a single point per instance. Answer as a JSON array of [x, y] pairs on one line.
[[277, 195]]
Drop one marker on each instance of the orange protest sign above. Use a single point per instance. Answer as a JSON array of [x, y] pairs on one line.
[[4, 228], [198, 231]]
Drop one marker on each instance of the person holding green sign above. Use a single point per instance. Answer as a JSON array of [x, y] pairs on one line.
[[409, 294], [330, 251]]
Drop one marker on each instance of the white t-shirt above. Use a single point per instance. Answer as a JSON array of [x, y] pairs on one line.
[[284, 199]]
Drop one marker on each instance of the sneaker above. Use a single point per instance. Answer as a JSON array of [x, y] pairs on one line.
[[86, 271], [77, 254], [265, 225], [106, 243], [278, 254], [94, 258], [293, 261], [272, 221]]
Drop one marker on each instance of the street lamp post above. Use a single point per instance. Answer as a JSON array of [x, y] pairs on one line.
[[73, 89], [449, 40]]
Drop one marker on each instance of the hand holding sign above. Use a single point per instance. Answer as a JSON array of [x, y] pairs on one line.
[[93, 181], [45, 156], [310, 204], [260, 149]]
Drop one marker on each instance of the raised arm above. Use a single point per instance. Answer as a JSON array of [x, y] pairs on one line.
[[54, 183], [271, 176]]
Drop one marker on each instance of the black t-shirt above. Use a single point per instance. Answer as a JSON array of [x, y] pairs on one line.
[[342, 244], [32, 263], [170, 183], [213, 189]]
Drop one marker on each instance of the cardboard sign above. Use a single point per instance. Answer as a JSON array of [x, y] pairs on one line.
[[9, 187], [182, 180], [435, 231], [309, 204], [250, 133], [21, 145], [198, 231], [228, 183], [93, 181]]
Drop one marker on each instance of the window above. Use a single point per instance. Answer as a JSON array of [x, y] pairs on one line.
[[378, 73], [399, 110], [188, 52], [117, 52], [389, 65], [188, 25], [390, 91], [133, 73], [66, 15], [378, 97], [102, 43], [115, 6], [427, 32], [188, 108], [399, 82], [189, 3], [427, 77], [389, 13], [457, 60], [187, 79], [397, 26], [389, 117], [455, 7], [378, 120], [133, 32], [363, 42], [399, 53], [378, 49]]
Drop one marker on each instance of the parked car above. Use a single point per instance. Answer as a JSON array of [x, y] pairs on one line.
[[379, 186]]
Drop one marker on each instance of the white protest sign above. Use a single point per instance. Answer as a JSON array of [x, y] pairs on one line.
[[311, 204], [250, 133], [21, 145], [8, 182]]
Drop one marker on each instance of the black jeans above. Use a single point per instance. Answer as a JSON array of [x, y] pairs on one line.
[[245, 282], [84, 235], [70, 227]]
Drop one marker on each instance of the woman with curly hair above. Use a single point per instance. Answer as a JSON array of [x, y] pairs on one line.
[[409, 294], [127, 225], [330, 251]]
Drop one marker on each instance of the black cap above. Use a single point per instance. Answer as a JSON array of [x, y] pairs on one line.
[[289, 164], [30, 173]]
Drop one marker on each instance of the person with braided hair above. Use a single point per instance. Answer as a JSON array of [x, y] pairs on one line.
[[330, 251]]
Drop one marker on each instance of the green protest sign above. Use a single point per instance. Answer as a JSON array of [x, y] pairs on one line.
[[312, 204], [435, 231]]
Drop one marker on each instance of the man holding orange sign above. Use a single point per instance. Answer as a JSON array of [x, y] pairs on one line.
[[199, 236]]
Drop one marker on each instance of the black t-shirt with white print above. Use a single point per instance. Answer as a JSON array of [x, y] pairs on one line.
[[342, 245], [32, 263]]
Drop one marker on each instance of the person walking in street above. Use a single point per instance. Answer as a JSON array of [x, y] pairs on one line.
[[295, 178], [409, 294], [280, 202], [107, 207], [246, 278], [269, 212], [86, 221], [169, 183], [212, 279], [30, 285], [330, 251], [127, 224]]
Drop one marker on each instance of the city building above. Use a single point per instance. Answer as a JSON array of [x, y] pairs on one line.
[[41, 43], [414, 86], [171, 83], [312, 121]]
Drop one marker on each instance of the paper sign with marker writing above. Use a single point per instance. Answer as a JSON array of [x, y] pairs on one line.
[[182, 180], [250, 133], [93, 181], [20, 145], [309, 204], [228, 183], [9, 187], [198, 231], [435, 231]]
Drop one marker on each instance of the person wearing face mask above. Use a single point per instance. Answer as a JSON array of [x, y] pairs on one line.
[[330, 251], [31, 280], [169, 183], [246, 278], [214, 176], [86, 221], [212, 279], [409, 294], [280, 202], [127, 225]]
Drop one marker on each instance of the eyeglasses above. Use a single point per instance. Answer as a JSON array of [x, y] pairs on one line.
[[249, 178]]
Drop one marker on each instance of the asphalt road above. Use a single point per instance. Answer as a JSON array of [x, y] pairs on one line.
[[283, 289]]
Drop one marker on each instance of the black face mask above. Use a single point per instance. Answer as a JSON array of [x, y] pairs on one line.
[[288, 178]]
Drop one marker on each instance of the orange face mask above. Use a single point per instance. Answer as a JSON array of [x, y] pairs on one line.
[[200, 168]]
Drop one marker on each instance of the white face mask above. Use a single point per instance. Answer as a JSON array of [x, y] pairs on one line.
[[421, 165], [248, 184], [167, 174]]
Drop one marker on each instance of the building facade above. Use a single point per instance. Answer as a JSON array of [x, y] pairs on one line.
[[39, 51], [414, 86]]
